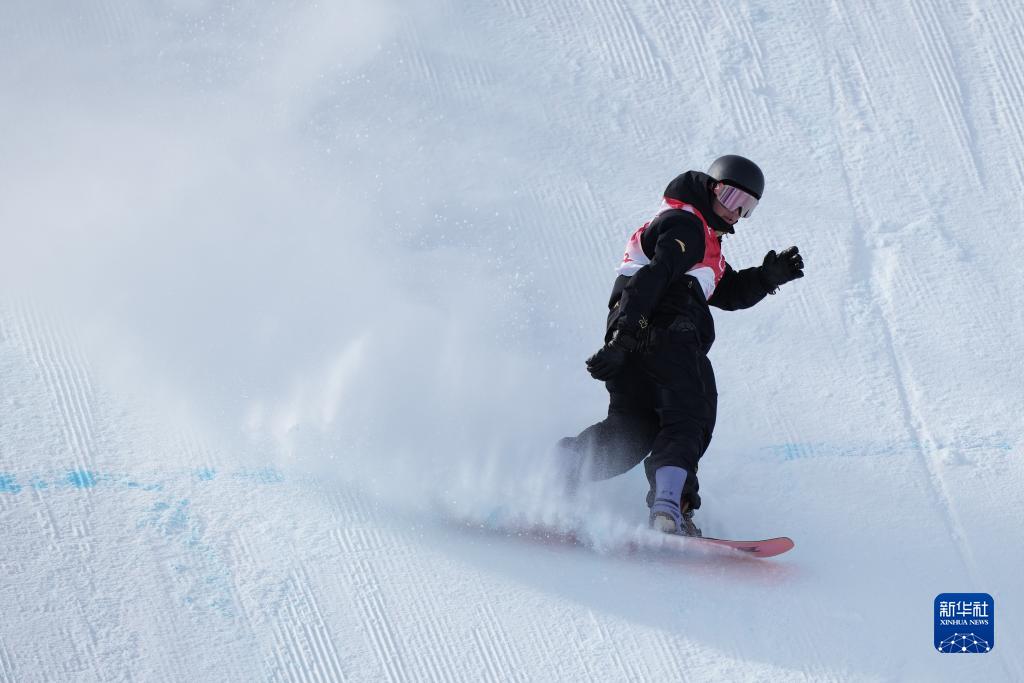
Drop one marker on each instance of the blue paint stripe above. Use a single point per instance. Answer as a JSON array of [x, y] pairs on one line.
[[8, 484], [82, 479]]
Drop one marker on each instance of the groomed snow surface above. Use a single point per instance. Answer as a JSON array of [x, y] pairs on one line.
[[286, 286]]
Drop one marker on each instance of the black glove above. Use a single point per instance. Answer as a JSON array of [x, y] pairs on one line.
[[778, 269], [610, 358]]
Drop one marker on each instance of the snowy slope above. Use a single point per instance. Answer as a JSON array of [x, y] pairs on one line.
[[278, 281]]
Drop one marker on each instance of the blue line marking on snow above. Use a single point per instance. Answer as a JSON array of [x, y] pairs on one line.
[[265, 475], [977, 445], [132, 484], [797, 451], [8, 484], [205, 474], [81, 479]]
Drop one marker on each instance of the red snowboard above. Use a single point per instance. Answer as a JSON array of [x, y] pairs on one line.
[[633, 541], [769, 547]]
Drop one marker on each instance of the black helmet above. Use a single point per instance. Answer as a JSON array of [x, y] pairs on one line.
[[739, 171]]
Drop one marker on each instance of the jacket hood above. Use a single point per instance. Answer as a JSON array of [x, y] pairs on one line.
[[694, 187]]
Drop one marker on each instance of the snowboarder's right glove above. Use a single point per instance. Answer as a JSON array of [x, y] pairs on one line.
[[608, 361], [778, 269]]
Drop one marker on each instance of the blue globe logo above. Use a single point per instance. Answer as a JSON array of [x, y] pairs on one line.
[[964, 642]]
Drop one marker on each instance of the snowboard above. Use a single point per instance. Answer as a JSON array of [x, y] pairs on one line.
[[632, 541]]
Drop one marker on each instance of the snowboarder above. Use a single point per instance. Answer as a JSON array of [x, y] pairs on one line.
[[662, 394]]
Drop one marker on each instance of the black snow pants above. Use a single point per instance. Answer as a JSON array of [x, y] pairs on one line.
[[664, 402]]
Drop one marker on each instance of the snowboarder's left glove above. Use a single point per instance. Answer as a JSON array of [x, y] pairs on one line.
[[608, 361], [778, 269]]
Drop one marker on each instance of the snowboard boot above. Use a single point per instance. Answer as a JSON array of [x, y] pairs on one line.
[[665, 521], [688, 528], [666, 515], [680, 523]]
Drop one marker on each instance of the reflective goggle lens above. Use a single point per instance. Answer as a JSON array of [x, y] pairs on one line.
[[734, 198]]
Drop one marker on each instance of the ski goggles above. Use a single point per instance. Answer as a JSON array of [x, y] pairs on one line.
[[733, 198]]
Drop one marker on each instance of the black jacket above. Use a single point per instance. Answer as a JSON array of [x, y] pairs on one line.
[[661, 292]]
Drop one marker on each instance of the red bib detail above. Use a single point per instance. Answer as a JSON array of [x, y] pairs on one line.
[[708, 272]]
